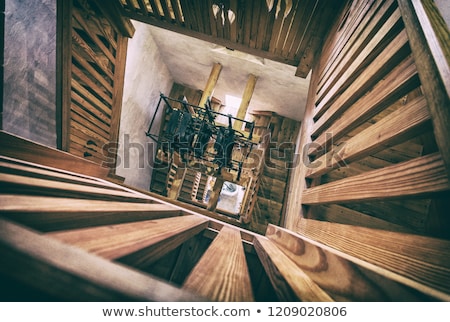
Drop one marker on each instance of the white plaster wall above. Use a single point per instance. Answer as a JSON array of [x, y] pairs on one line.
[[146, 76]]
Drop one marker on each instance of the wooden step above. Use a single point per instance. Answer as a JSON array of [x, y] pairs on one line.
[[222, 273], [289, 281], [405, 267], [72, 274], [138, 243], [52, 213]]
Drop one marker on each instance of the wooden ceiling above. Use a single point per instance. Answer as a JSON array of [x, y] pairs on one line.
[[287, 31]]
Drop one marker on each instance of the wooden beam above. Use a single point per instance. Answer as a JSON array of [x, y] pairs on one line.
[[289, 281], [391, 56], [246, 97], [400, 81], [222, 273], [417, 177], [117, 97], [209, 38], [344, 277], [415, 261], [428, 37], [50, 187], [210, 84], [139, 242], [399, 126], [71, 274], [377, 28], [19, 148], [63, 72], [114, 13], [51, 214]]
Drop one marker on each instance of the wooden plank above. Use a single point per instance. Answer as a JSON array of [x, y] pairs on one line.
[[245, 102], [354, 19], [9, 166], [234, 26], [166, 10], [116, 108], [289, 281], [50, 187], [84, 24], [419, 262], [88, 132], [113, 12], [87, 67], [88, 117], [210, 85], [416, 177], [428, 37], [63, 72], [82, 103], [256, 25], [143, 7], [51, 214], [135, 243], [302, 8], [344, 277], [209, 38], [391, 56], [155, 9], [72, 274], [371, 50], [277, 25], [360, 36], [89, 53], [89, 125], [19, 148], [91, 97], [177, 12], [401, 125], [343, 215], [396, 84], [222, 272], [85, 79]]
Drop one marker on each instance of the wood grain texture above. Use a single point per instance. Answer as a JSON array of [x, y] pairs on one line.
[[71, 274], [47, 187], [348, 69], [396, 51], [289, 281], [52, 213], [155, 237], [416, 177], [419, 262], [398, 126], [222, 273], [429, 37], [63, 72], [19, 148], [343, 277]]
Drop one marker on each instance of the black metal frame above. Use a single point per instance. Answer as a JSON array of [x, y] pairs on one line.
[[203, 121]]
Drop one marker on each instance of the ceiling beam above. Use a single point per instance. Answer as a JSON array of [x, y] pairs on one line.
[[218, 41]]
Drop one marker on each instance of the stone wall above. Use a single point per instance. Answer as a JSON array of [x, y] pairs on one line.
[[29, 102], [146, 76]]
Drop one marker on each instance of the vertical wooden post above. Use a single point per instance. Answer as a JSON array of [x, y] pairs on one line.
[[246, 97], [119, 78], [211, 84], [63, 72]]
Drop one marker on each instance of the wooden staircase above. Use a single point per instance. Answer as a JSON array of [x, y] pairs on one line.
[[69, 236]]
